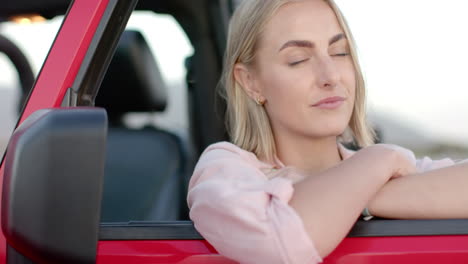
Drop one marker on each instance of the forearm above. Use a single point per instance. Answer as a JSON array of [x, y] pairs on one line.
[[436, 194], [330, 203]]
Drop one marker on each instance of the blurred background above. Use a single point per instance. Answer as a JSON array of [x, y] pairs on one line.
[[413, 54]]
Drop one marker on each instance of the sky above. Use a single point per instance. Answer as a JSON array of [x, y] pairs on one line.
[[413, 54], [414, 57]]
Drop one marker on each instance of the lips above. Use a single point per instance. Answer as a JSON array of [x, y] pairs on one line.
[[330, 102]]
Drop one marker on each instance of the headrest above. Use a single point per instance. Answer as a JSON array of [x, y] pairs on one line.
[[133, 82], [22, 66]]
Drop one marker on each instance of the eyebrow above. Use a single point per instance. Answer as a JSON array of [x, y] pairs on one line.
[[308, 44], [337, 38]]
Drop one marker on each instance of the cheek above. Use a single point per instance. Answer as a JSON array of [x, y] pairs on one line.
[[351, 91], [349, 81], [277, 87]]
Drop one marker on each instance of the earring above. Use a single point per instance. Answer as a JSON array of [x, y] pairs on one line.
[[259, 102]]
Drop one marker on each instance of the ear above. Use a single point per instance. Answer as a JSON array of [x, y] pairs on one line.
[[245, 77]]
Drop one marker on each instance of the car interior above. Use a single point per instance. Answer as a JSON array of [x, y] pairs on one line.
[[20, 64], [148, 168]]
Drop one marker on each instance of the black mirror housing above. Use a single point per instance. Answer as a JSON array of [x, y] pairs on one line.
[[52, 188]]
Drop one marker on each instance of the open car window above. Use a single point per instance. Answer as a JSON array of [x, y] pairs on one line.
[[389, 119], [393, 125], [149, 146]]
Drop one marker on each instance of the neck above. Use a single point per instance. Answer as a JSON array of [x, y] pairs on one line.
[[308, 155]]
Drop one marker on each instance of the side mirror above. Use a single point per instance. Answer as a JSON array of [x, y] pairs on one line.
[[53, 176]]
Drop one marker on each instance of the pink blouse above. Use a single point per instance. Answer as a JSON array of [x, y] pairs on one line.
[[240, 207]]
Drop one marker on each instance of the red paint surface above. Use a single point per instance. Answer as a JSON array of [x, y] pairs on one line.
[[378, 250], [62, 64], [163, 251], [66, 55], [401, 250]]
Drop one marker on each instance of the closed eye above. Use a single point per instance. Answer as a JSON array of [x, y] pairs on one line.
[[341, 54], [297, 62]]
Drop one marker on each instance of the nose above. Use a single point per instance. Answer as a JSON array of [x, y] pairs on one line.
[[328, 74]]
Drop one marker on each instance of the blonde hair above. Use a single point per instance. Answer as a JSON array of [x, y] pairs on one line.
[[248, 124]]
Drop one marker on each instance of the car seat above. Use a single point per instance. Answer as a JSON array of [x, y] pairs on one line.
[[22, 66], [145, 172]]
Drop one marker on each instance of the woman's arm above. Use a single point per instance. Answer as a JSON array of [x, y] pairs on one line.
[[329, 203], [242, 213], [440, 193]]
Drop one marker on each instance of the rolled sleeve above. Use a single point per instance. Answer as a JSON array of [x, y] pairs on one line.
[[246, 216], [428, 164]]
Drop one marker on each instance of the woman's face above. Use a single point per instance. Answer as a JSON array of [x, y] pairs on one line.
[[303, 59]]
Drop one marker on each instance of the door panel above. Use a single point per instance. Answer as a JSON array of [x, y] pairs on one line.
[[402, 250], [380, 250]]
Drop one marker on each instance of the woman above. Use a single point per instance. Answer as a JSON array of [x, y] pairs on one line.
[[286, 190]]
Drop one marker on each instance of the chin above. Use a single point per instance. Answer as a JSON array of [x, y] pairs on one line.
[[330, 130]]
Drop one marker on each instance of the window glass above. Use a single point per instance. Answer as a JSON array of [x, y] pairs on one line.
[[34, 38]]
